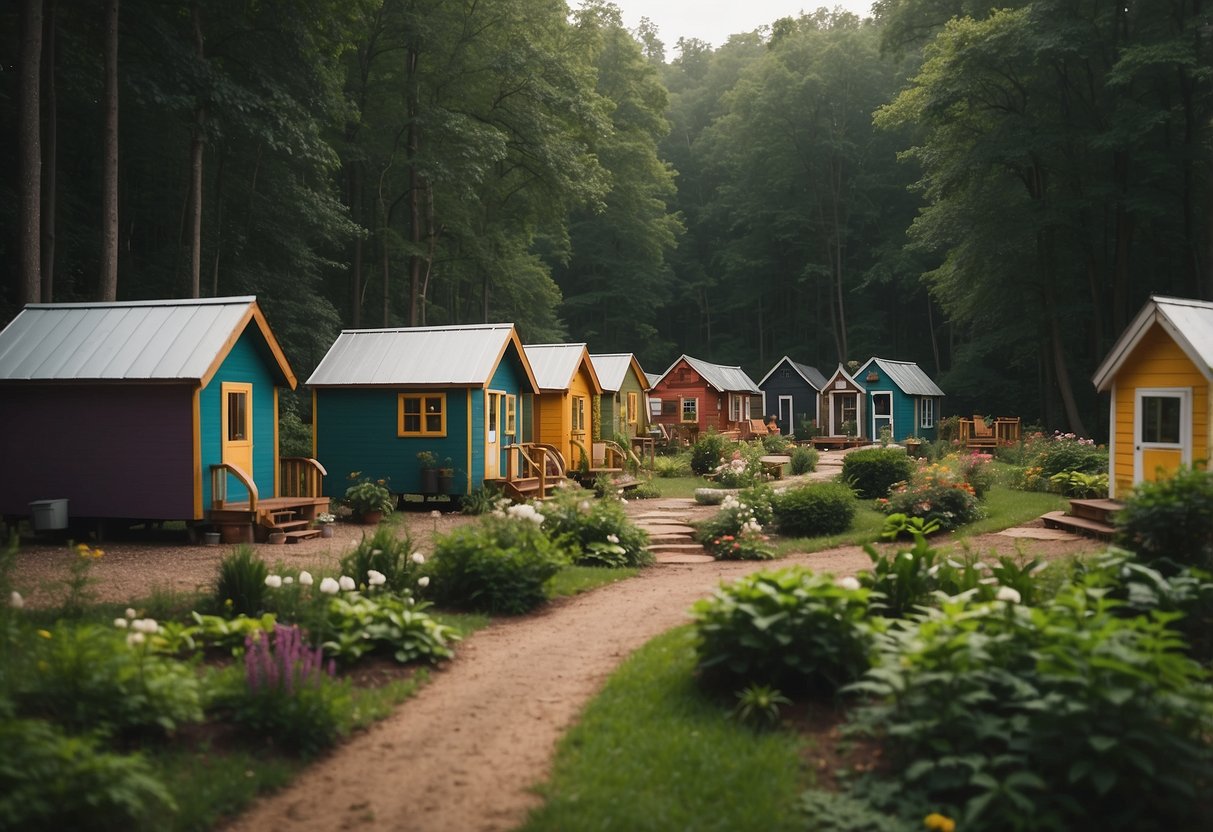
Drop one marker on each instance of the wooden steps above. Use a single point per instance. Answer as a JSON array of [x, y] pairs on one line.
[[1093, 518]]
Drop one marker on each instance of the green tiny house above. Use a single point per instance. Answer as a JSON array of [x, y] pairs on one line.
[[381, 397], [623, 406]]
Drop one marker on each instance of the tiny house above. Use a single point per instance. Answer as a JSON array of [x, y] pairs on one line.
[[901, 399], [1159, 374], [382, 397], [563, 412], [791, 392], [696, 396], [845, 400], [624, 409], [147, 411]]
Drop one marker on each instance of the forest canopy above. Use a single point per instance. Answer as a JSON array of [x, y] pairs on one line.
[[990, 190]]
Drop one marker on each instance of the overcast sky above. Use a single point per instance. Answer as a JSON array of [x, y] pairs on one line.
[[714, 20]]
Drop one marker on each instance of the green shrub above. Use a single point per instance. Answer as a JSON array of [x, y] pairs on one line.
[[98, 677], [1079, 485], [595, 532], [936, 493], [50, 780], [813, 510], [499, 565], [484, 500], [1067, 452], [743, 468], [708, 451], [1066, 716], [1170, 520], [646, 490], [387, 624], [776, 444], [388, 554], [873, 471], [669, 467], [839, 812], [364, 497], [240, 587], [791, 628], [804, 459]]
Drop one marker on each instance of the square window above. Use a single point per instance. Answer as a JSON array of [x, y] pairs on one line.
[[690, 410], [421, 414]]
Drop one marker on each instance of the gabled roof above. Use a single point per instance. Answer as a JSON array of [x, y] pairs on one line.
[[653, 379], [428, 356], [1188, 322], [842, 371], [908, 376], [811, 375], [556, 364], [134, 341], [612, 369], [723, 378]]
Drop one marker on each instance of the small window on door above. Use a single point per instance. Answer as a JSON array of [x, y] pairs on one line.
[[1160, 419], [237, 416], [511, 415]]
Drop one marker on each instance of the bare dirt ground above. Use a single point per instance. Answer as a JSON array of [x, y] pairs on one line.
[[465, 753]]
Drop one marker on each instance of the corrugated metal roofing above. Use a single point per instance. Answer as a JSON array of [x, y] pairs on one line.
[[414, 356], [725, 379], [554, 364], [612, 369], [1189, 322], [907, 375], [163, 340], [653, 378], [811, 375]]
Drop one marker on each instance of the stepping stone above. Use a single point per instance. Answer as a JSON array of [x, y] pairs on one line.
[[671, 537], [684, 558], [668, 529], [676, 547]]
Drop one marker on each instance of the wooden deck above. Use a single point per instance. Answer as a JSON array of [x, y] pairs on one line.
[[239, 522]]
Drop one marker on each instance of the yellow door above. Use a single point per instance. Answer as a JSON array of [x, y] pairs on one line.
[[1163, 438], [237, 418], [492, 434], [579, 416]]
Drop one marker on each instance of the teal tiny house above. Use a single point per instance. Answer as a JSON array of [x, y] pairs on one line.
[[381, 397], [901, 398]]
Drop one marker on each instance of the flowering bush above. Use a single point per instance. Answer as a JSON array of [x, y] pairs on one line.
[[735, 532], [791, 628], [385, 623], [975, 469], [386, 553], [937, 493], [708, 452], [596, 532], [742, 469]]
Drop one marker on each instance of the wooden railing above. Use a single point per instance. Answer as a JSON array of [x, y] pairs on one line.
[[978, 433], [300, 476], [219, 475], [613, 455]]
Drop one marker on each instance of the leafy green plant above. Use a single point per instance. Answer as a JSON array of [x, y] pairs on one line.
[[596, 532], [484, 500], [668, 467], [975, 469], [841, 812], [385, 623], [708, 451], [498, 565], [817, 509], [220, 631], [775, 444], [1079, 484], [791, 628], [646, 490], [871, 472], [51, 780], [364, 497], [899, 525], [759, 705], [388, 552], [240, 585], [1170, 520], [935, 493], [804, 459], [78, 586], [1067, 452]]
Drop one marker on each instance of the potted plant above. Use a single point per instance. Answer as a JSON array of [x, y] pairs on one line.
[[429, 472], [446, 477], [369, 501], [325, 520]]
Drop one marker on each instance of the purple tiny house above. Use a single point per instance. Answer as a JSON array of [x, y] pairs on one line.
[[149, 411]]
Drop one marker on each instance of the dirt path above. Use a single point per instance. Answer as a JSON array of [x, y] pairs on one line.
[[463, 755]]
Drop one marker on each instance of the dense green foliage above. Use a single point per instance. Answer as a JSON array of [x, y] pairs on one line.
[[1170, 520], [389, 552], [873, 471], [596, 532], [812, 510], [240, 585]]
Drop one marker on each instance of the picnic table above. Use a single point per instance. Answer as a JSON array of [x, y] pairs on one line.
[[773, 464]]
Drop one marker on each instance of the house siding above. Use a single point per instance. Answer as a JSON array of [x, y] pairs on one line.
[[713, 408], [112, 450], [1156, 361], [508, 377], [631, 384], [804, 399]]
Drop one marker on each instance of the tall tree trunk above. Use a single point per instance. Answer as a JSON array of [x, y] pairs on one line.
[[354, 178], [50, 153], [29, 144], [107, 289], [197, 146], [218, 222], [415, 187]]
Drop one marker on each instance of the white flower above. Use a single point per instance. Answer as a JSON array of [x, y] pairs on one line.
[[417, 557], [375, 578], [981, 566], [305, 578], [15, 600], [329, 587], [346, 583], [376, 552], [287, 579], [612, 538], [435, 514], [423, 581], [134, 638], [273, 581], [145, 625], [584, 506], [933, 571], [120, 623], [1005, 593], [849, 582], [130, 612]]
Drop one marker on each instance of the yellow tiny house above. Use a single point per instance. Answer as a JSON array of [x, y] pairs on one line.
[[563, 409], [1159, 375]]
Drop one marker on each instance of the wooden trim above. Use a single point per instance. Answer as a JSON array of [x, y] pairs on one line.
[[422, 431], [1112, 444], [526, 365], [277, 449], [315, 416], [253, 313], [196, 417]]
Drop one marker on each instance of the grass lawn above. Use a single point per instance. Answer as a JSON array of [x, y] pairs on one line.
[[572, 580], [653, 753]]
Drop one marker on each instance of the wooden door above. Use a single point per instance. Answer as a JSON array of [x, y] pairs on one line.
[[494, 409], [237, 416]]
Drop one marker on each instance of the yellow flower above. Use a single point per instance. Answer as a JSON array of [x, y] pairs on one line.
[[938, 822], [44, 633]]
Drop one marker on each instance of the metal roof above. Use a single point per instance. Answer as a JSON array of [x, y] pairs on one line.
[[907, 375], [434, 356], [158, 340], [845, 376], [612, 369], [810, 374], [555, 364], [1188, 322], [653, 379], [725, 379]]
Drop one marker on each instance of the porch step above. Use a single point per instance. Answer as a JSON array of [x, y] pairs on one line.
[[1078, 525], [301, 534], [291, 525], [655, 548], [1101, 511]]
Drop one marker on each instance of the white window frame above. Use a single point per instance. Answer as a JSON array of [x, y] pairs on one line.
[[926, 412]]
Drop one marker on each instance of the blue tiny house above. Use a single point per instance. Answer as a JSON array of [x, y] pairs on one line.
[[146, 411], [900, 398], [380, 397], [791, 392]]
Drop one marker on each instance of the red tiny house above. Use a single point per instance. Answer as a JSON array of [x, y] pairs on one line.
[[696, 396]]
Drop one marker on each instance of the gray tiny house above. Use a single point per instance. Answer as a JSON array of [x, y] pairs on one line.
[[791, 392]]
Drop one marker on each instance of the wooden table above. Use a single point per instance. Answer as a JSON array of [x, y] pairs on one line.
[[773, 464], [645, 445]]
